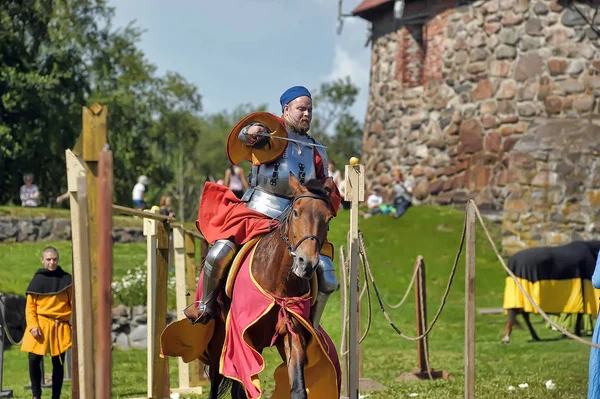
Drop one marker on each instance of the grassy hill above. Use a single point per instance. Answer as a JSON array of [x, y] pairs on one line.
[[392, 245]]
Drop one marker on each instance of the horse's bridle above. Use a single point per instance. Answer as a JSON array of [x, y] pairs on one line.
[[284, 218]]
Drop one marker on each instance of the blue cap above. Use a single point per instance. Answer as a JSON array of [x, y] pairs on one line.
[[293, 93]]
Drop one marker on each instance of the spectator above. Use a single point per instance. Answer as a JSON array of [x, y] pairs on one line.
[[166, 206], [47, 313], [334, 173], [594, 369], [29, 192], [235, 180], [138, 193], [374, 201], [402, 193]]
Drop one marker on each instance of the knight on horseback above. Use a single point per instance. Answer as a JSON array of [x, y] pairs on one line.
[[276, 147]]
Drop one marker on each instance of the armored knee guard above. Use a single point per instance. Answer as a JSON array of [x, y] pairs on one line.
[[327, 284], [217, 261]]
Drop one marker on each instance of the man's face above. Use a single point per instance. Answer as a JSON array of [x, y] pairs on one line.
[[298, 113], [50, 260]]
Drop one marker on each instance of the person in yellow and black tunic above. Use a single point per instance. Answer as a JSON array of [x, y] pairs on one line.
[[48, 313]]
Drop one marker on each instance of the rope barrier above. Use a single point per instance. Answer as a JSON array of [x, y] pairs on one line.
[[444, 298], [412, 281], [523, 291]]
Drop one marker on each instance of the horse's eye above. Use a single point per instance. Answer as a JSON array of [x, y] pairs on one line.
[[295, 213]]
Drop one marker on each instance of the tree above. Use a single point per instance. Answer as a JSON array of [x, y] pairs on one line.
[[333, 125]]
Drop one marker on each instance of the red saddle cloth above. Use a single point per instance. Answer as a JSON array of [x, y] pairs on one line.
[[242, 362], [222, 215]]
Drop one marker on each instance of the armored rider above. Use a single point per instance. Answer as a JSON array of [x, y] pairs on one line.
[[228, 222]]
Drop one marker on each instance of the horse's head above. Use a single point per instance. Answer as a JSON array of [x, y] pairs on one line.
[[307, 224]]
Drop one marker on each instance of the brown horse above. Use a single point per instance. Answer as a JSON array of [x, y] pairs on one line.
[[284, 262]]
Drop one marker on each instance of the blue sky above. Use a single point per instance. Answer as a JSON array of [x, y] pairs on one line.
[[250, 51]]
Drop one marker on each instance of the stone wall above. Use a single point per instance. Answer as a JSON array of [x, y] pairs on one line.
[[449, 109], [40, 228], [129, 325], [553, 186]]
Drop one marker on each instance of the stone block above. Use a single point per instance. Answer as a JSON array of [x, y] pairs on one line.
[[504, 52], [493, 142], [510, 19], [533, 27], [544, 179], [540, 8], [483, 90], [470, 134], [507, 90], [436, 186], [516, 205], [571, 86], [500, 68], [528, 66], [554, 105], [557, 66], [488, 107]]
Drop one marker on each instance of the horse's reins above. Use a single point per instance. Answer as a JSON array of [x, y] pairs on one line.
[[284, 219]]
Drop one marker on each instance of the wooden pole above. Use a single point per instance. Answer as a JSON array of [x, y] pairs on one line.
[[77, 186], [470, 304], [104, 320], [181, 292], [94, 135], [150, 227], [424, 370], [185, 286], [196, 374], [344, 345], [354, 190], [160, 312], [421, 303]]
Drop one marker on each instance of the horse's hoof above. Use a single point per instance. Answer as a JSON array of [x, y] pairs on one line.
[[505, 340]]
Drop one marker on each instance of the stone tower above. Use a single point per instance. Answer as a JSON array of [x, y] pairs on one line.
[[455, 84]]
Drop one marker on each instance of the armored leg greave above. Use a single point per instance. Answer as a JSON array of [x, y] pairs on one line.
[[218, 259], [327, 284]]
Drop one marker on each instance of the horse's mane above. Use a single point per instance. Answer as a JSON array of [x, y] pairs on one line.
[[315, 187]]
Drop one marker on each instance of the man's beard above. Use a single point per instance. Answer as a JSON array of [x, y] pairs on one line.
[[301, 127]]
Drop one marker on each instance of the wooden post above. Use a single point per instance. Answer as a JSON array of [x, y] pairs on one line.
[[470, 304], [424, 370], [344, 343], [160, 310], [355, 193], [180, 291], [191, 271], [4, 393], [94, 134], [188, 372], [421, 315], [104, 320], [150, 227], [77, 186]]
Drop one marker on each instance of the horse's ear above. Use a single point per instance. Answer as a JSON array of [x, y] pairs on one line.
[[295, 185], [329, 186]]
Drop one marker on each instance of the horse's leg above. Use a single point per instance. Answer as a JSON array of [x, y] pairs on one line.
[[512, 315], [534, 336], [237, 391], [295, 353], [214, 357], [579, 324]]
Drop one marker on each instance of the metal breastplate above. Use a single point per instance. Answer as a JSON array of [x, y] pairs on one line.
[[271, 192]]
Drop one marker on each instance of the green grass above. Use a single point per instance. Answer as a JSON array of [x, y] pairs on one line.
[[392, 246]]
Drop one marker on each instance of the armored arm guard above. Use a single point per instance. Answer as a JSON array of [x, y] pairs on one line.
[[250, 141]]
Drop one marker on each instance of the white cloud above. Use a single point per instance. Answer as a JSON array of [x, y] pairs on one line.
[[345, 65]]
